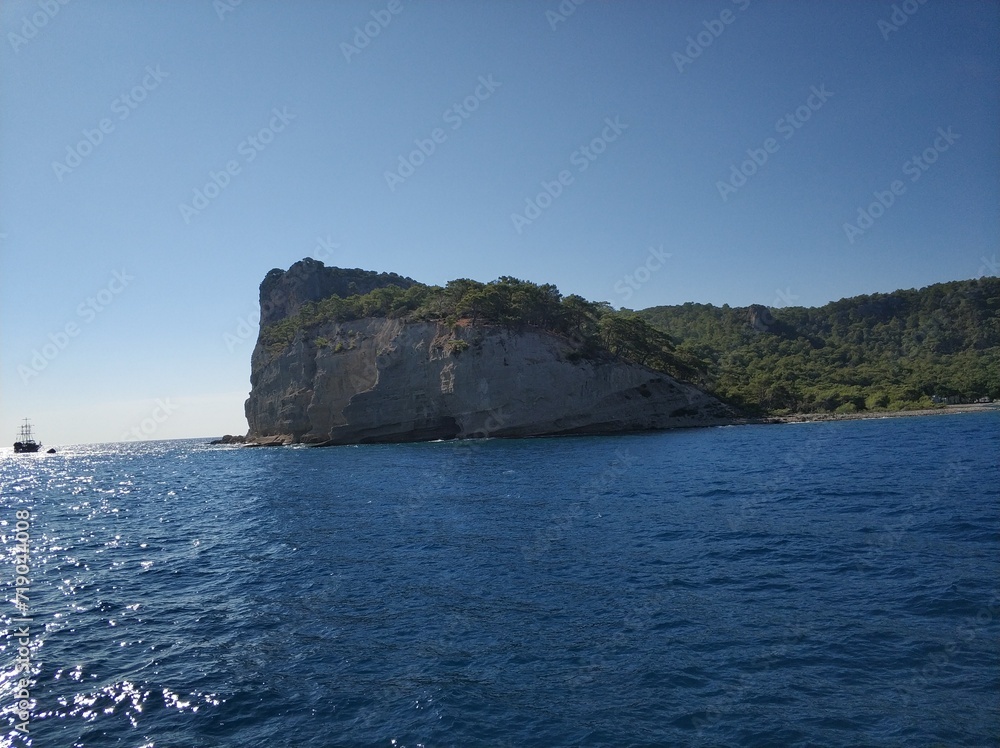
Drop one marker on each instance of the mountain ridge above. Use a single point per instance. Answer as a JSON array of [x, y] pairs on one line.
[[892, 351]]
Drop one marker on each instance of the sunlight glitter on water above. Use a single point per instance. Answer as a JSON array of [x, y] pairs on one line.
[[629, 584]]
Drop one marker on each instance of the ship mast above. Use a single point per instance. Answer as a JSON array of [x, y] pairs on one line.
[[25, 435]]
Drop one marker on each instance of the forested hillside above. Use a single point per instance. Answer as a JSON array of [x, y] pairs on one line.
[[883, 351], [879, 352]]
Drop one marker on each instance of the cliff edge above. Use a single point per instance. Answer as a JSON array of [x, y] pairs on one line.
[[398, 379]]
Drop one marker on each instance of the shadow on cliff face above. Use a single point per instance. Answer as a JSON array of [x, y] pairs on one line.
[[444, 428]]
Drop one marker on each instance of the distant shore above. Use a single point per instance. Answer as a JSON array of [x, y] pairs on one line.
[[944, 410]]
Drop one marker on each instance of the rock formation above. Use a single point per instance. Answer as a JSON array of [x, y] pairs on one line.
[[283, 292], [381, 379], [230, 439]]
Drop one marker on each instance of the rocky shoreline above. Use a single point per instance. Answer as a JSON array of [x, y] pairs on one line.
[[348, 356], [280, 441], [943, 410]]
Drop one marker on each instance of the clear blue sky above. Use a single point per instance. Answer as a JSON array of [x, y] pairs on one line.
[[181, 86]]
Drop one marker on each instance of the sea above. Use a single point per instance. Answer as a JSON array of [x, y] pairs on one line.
[[813, 584]]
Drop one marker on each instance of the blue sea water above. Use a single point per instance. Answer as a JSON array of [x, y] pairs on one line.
[[822, 584]]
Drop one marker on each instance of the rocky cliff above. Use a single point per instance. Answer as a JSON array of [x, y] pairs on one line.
[[284, 292], [379, 379]]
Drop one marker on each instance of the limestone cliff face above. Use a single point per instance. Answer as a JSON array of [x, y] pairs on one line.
[[386, 380]]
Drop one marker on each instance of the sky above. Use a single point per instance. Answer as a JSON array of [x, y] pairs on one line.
[[158, 158]]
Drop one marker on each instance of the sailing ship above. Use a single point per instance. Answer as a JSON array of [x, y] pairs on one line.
[[25, 440]]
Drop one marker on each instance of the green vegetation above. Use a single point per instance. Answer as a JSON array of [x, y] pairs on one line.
[[594, 328], [880, 352]]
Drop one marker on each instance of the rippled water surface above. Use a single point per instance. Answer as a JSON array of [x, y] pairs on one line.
[[830, 584]]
